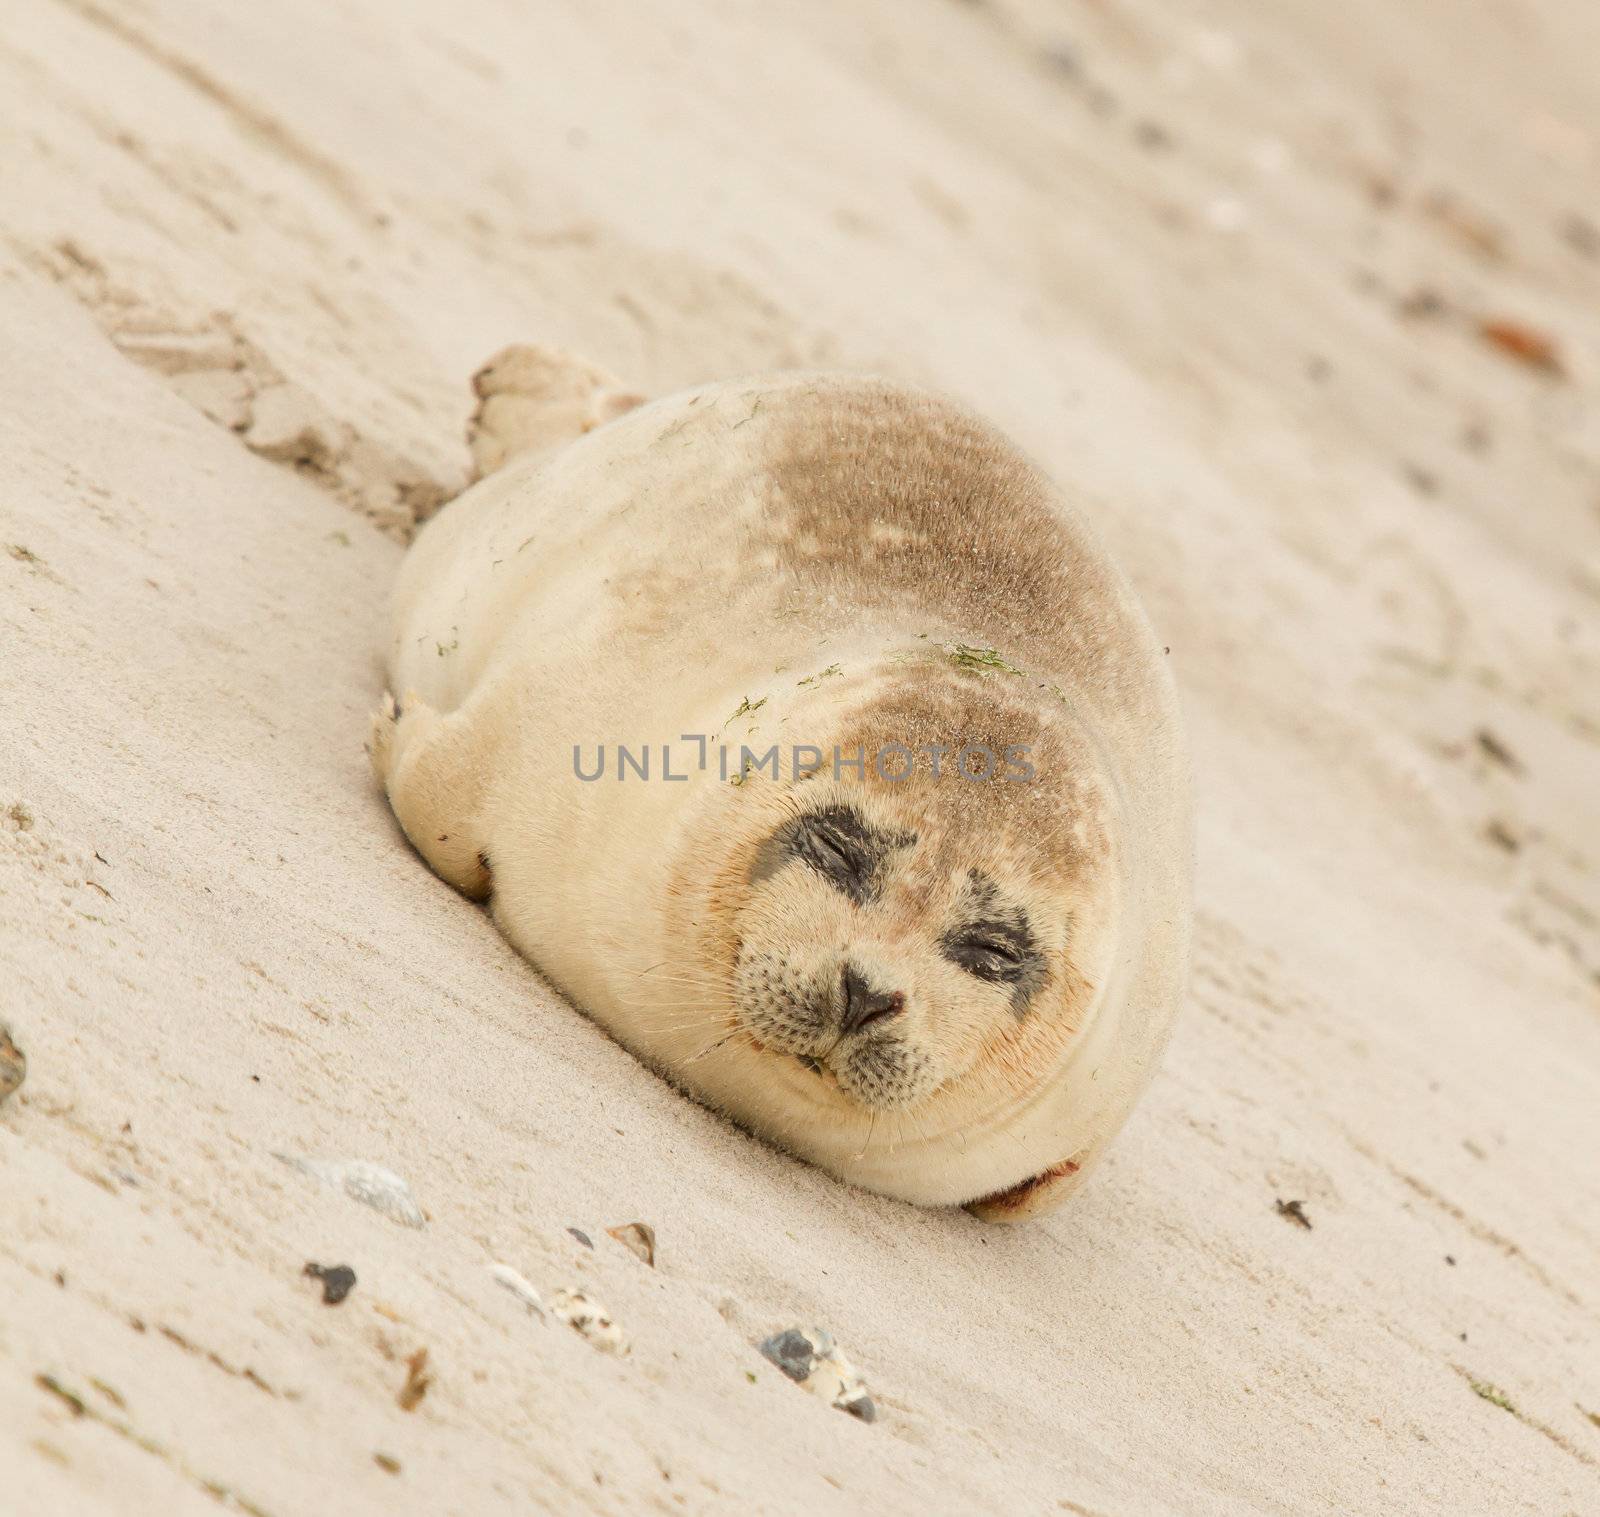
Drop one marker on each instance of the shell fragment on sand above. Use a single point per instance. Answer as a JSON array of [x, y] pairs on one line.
[[811, 1358], [639, 1238], [370, 1184], [13, 1065], [508, 1279], [587, 1317]]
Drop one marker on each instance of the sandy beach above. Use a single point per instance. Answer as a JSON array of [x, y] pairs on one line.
[[1302, 302]]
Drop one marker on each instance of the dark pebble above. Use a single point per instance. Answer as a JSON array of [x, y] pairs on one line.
[[338, 1280], [792, 1352]]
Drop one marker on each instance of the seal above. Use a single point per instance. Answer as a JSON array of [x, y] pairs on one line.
[[804, 735]]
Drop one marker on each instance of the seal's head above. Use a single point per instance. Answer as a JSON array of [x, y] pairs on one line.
[[915, 928]]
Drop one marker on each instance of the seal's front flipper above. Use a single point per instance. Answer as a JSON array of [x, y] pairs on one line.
[[433, 769], [532, 398], [1043, 1193]]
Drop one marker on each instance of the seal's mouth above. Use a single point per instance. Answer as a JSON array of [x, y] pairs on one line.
[[808, 1062], [865, 1067], [826, 1075]]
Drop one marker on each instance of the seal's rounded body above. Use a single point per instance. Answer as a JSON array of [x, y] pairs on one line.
[[942, 976]]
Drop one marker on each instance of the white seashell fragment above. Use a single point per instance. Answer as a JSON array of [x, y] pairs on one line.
[[583, 1314], [519, 1287], [811, 1358], [370, 1184]]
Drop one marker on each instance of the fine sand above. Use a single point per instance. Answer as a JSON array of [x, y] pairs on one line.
[[1303, 300]]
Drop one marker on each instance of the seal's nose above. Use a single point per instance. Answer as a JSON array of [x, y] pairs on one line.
[[865, 1004]]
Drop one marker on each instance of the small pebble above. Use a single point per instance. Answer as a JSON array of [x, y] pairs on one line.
[[587, 1317], [370, 1184], [13, 1065], [638, 1238], [811, 1358], [508, 1279], [338, 1280]]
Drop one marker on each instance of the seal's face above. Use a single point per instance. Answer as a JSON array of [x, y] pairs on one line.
[[900, 940], [882, 964]]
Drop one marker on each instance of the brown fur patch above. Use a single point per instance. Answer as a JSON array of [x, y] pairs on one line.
[[903, 501], [1062, 818], [854, 502]]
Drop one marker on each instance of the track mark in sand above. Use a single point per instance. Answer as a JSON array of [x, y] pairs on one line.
[[1487, 1392], [213, 1358], [234, 382], [1421, 621], [1479, 1230], [82, 1408], [1555, 919], [44, 867], [32, 565], [1245, 986], [254, 122], [140, 1325]]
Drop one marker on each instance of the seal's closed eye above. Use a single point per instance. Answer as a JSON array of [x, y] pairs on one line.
[[1001, 952], [839, 844], [990, 950]]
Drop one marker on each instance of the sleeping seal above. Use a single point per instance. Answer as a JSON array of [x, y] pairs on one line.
[[804, 735]]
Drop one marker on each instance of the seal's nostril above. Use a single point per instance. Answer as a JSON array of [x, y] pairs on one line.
[[864, 1004]]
